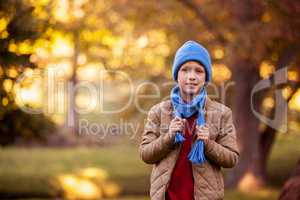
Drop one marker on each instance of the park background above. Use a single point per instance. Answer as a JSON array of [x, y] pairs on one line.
[[43, 157]]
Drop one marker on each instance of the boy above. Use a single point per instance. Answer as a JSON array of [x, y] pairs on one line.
[[175, 126]]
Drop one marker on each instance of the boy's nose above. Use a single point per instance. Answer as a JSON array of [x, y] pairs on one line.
[[191, 76]]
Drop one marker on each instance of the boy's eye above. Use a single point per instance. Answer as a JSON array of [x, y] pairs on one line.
[[184, 69]]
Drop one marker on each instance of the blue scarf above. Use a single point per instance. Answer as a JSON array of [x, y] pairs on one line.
[[186, 110]]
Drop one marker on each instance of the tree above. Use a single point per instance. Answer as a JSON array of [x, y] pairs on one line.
[[19, 26]]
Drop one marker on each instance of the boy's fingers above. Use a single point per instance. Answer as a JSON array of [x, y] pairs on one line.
[[206, 126], [179, 122], [177, 118], [202, 127], [178, 125], [202, 138], [182, 121]]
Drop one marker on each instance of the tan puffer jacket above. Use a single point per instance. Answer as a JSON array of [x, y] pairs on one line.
[[221, 150]]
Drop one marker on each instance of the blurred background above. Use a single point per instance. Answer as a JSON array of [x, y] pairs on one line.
[[49, 46]]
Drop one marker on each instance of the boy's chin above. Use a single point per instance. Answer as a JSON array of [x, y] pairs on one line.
[[191, 92]]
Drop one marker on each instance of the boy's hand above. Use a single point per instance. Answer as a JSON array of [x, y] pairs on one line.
[[202, 132], [177, 124]]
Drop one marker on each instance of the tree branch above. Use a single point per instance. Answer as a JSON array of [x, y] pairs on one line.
[[198, 11]]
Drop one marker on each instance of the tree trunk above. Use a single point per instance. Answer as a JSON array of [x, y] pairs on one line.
[[249, 172], [266, 141], [72, 120]]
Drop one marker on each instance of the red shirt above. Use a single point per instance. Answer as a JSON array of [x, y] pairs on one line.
[[181, 185]]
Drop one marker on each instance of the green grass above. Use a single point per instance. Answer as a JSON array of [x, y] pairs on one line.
[[29, 171], [264, 194], [283, 158]]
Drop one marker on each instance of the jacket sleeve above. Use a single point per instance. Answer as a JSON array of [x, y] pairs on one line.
[[224, 151], [154, 146]]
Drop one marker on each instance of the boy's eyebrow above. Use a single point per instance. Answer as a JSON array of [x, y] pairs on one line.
[[191, 65]]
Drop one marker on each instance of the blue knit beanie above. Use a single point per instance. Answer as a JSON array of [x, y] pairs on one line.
[[192, 51]]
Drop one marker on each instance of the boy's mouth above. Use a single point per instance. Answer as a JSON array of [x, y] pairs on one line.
[[191, 84]]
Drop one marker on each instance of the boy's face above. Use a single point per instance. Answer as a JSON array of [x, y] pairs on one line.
[[191, 78]]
